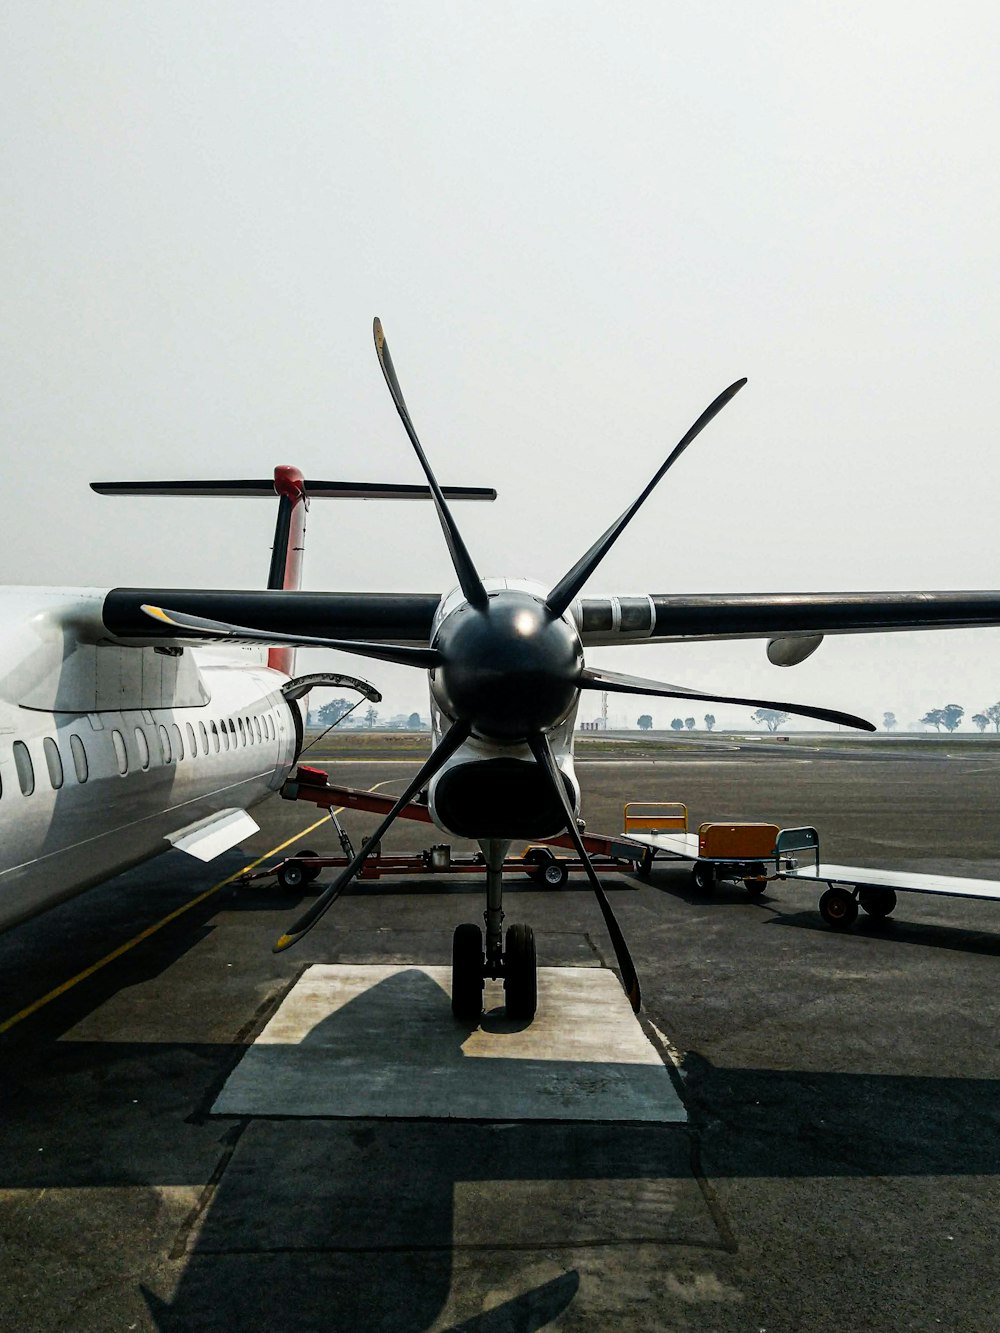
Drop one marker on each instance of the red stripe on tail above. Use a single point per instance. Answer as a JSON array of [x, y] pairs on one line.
[[286, 565]]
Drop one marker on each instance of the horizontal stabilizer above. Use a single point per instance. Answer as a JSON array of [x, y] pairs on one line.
[[210, 837], [324, 490]]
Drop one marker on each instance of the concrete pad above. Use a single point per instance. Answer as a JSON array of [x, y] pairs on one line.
[[380, 1041]]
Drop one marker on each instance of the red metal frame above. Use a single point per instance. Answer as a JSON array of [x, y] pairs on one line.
[[314, 785]]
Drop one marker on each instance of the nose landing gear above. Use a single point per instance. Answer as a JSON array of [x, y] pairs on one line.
[[471, 962]]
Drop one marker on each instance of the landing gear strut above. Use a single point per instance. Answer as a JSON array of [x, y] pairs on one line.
[[511, 957]]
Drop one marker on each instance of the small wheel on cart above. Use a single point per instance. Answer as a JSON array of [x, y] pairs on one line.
[[291, 875], [755, 881], [311, 872], [838, 908], [520, 974], [878, 902], [467, 971], [554, 876], [536, 859], [703, 874], [644, 866]]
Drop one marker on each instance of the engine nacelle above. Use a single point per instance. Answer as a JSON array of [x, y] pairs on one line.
[[793, 650]]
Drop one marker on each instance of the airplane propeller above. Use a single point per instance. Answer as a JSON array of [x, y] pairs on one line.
[[506, 666]]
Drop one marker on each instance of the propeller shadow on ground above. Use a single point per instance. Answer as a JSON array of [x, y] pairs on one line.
[[356, 1222]]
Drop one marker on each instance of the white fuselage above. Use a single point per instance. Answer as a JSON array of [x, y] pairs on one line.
[[106, 749]]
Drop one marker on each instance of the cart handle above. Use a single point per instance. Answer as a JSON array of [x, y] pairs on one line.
[[656, 816], [803, 839]]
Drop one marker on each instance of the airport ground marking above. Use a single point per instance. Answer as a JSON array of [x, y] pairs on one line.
[[64, 986]]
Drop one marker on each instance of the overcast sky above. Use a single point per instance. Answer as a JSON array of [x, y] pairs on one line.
[[577, 225]]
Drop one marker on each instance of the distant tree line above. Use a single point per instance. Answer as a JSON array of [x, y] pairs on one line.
[[950, 716]]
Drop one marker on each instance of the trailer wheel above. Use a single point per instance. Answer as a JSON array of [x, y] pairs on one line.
[[838, 908], [878, 902], [755, 882], [554, 875], [467, 971], [291, 875], [536, 859], [703, 874], [311, 872], [644, 866]]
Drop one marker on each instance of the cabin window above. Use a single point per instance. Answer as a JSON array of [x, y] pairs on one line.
[[256, 727], [142, 745], [202, 731], [215, 737], [79, 758], [25, 768], [53, 762], [243, 733], [192, 743], [232, 731], [225, 733], [161, 731], [178, 741], [121, 754]]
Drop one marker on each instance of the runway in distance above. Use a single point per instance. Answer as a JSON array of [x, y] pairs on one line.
[[505, 664], [113, 750]]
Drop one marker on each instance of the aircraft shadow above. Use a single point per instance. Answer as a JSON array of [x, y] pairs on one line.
[[356, 1223]]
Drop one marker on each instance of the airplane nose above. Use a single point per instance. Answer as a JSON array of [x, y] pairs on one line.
[[510, 671]]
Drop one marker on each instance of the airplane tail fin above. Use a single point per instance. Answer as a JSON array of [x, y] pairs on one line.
[[294, 493]]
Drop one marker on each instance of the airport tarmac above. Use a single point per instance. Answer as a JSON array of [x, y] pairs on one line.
[[802, 1132]]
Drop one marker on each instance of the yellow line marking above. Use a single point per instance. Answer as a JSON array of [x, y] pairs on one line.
[[32, 1008], [35, 1005]]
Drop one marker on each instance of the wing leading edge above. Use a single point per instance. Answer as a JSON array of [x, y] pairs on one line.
[[406, 618], [676, 618]]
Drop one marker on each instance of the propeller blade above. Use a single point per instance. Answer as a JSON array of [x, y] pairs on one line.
[[618, 684], [447, 746], [468, 577], [570, 584], [542, 751], [219, 630]]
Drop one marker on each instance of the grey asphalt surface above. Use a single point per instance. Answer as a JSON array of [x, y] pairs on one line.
[[839, 1171]]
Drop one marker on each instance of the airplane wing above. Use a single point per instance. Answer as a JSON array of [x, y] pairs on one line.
[[405, 618], [399, 618], [679, 618]]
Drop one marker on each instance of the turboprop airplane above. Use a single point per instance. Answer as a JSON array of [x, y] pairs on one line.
[[114, 751], [505, 663]]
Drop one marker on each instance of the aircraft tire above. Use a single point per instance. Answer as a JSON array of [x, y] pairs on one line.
[[838, 908], [467, 971], [520, 980]]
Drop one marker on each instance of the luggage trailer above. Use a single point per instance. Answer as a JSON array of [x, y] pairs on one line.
[[849, 887], [719, 851], [539, 861], [757, 853]]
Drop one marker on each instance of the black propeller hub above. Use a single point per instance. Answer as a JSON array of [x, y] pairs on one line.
[[510, 669]]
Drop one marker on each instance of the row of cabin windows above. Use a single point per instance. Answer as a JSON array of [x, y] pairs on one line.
[[252, 731]]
